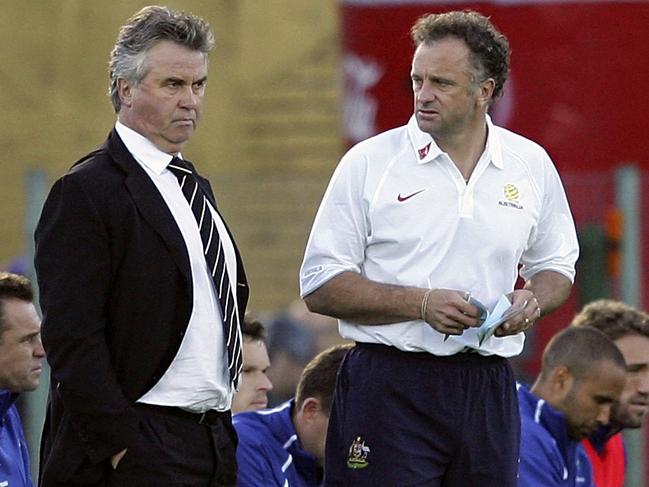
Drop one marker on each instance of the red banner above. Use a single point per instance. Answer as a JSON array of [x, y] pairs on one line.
[[578, 82]]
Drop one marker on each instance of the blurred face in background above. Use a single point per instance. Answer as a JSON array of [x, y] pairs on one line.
[[588, 402], [21, 350], [255, 384], [632, 407]]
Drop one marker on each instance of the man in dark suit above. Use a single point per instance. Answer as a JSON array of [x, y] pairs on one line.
[[141, 285]]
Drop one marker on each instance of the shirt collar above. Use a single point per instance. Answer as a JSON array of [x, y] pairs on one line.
[[600, 437], [143, 149], [426, 150], [305, 463], [551, 419]]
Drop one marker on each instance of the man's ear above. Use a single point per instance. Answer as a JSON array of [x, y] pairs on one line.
[[310, 408], [125, 91], [486, 91], [562, 381]]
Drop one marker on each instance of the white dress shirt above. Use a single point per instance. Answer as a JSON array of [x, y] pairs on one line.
[[198, 377], [398, 211]]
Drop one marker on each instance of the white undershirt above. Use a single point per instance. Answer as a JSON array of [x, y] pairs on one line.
[[198, 378]]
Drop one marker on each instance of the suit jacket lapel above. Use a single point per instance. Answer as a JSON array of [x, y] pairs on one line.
[[150, 202]]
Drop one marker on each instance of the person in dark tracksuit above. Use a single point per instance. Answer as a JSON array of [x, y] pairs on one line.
[[21, 356], [628, 327], [582, 375], [286, 445]]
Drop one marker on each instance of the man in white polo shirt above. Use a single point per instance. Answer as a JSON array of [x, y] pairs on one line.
[[417, 222]]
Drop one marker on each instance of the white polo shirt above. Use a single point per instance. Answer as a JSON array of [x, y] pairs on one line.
[[398, 211]]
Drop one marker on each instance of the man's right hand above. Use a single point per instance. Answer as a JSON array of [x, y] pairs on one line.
[[449, 312], [116, 458]]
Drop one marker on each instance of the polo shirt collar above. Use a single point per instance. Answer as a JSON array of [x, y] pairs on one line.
[[143, 149], [426, 150]]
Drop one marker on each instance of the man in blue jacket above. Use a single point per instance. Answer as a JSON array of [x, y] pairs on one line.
[[285, 445], [583, 373], [21, 354], [628, 327]]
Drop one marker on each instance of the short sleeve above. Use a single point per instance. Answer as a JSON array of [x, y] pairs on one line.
[[340, 231], [553, 245]]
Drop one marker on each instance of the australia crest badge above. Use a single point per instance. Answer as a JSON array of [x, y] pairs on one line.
[[358, 451]]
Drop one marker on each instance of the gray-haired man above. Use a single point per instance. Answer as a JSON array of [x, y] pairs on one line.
[[142, 287]]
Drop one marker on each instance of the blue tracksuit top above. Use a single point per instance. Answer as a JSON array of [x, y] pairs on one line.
[[14, 457], [548, 457], [269, 452]]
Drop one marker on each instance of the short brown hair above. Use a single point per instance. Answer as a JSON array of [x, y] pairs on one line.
[[579, 349], [318, 378], [13, 286], [489, 48], [252, 329], [613, 318]]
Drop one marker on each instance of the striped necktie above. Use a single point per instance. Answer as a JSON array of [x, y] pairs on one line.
[[215, 259]]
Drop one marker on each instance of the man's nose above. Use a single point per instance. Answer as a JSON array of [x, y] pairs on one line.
[[426, 93], [643, 383], [39, 351], [604, 414], [266, 384], [189, 98]]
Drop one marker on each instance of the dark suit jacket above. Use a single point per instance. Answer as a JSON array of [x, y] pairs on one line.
[[116, 294]]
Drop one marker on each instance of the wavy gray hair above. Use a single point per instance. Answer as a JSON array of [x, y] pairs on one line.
[[147, 27]]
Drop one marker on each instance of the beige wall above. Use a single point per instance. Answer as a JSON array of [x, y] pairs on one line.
[[268, 141]]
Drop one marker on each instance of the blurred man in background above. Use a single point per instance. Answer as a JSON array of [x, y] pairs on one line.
[[252, 394], [21, 355], [285, 445], [582, 375], [292, 343], [629, 330]]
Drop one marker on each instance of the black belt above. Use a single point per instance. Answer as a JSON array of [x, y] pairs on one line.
[[210, 417]]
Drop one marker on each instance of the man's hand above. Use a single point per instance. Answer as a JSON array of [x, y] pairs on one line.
[[448, 311], [116, 458], [522, 321]]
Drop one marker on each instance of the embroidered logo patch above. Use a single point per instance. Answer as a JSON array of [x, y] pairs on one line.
[[401, 198], [423, 152], [358, 451], [511, 196], [511, 192]]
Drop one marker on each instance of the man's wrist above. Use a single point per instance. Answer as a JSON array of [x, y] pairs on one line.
[[424, 304]]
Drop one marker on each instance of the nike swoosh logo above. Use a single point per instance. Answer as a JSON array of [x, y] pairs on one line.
[[401, 199]]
